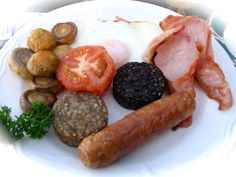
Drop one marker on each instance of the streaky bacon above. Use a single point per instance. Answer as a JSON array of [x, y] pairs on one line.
[[211, 78], [177, 58], [208, 73], [176, 55], [157, 41], [171, 21]]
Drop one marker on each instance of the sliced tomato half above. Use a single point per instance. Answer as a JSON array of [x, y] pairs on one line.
[[86, 68]]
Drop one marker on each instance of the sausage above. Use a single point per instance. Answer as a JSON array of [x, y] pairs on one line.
[[116, 140]]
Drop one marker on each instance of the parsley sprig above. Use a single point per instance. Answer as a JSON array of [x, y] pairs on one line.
[[34, 123]]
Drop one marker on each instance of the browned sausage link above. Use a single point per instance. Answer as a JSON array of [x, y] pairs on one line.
[[106, 146]]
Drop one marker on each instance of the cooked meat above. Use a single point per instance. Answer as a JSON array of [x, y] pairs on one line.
[[177, 57], [137, 84], [78, 115], [208, 73], [116, 140], [150, 52]]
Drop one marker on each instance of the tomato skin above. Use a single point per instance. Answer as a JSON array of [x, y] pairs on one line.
[[86, 68]]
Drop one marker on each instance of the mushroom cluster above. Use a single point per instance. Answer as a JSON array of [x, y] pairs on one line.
[[38, 62]]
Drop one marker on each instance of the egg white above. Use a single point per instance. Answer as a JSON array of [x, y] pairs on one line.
[[135, 35]]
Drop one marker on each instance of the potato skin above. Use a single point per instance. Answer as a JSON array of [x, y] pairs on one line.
[[43, 63], [41, 39]]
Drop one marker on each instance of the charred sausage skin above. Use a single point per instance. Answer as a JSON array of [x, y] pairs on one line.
[[108, 145]]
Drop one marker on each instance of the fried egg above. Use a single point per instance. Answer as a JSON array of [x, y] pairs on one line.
[[124, 40]]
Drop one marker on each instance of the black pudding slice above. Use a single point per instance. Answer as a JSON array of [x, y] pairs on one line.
[[137, 84]]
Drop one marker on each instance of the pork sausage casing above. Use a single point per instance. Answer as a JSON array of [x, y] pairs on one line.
[[109, 144]]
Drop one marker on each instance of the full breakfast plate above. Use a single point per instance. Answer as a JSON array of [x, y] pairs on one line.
[[188, 151]]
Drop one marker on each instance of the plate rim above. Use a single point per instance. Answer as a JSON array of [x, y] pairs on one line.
[[68, 6]]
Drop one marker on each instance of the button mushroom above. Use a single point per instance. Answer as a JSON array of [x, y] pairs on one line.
[[65, 32], [17, 62], [49, 83], [41, 39], [43, 63], [61, 50], [30, 96]]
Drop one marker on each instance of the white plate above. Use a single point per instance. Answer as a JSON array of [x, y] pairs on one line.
[[182, 153]]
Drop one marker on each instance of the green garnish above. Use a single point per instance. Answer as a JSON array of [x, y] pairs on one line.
[[34, 123]]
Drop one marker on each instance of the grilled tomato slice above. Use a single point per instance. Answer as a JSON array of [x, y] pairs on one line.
[[86, 68]]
